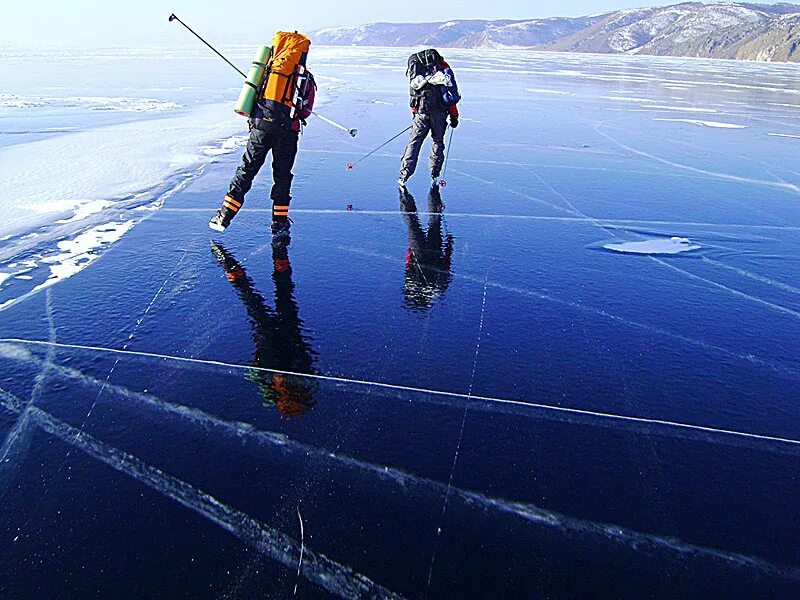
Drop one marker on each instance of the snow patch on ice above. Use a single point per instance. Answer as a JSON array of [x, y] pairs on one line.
[[785, 135], [85, 210], [673, 245], [225, 146], [80, 252], [715, 124]]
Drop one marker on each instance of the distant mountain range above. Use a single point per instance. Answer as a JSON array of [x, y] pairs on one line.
[[720, 30]]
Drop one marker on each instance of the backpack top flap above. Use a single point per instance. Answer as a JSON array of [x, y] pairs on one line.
[[423, 62], [288, 50]]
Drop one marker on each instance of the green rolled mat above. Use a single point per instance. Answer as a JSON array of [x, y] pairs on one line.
[[255, 76]]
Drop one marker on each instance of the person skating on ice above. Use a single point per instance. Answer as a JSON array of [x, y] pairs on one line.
[[434, 98], [285, 102]]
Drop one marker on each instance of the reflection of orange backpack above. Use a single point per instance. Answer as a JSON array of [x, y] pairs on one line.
[[286, 76]]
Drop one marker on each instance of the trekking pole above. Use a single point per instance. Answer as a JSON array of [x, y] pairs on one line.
[[352, 132], [442, 181], [174, 17], [394, 137]]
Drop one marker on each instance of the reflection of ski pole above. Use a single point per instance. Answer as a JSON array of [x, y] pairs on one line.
[[394, 137], [352, 132], [174, 17], [442, 181]]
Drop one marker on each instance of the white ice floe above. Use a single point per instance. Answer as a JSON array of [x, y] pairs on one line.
[[785, 135], [626, 99], [543, 91], [673, 245], [685, 109], [716, 124]]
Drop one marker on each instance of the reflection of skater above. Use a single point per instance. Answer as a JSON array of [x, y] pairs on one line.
[[278, 334], [434, 96], [429, 253]]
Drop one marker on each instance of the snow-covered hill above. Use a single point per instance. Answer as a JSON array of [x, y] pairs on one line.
[[718, 30], [456, 34]]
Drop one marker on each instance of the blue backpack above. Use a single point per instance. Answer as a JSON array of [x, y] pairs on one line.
[[427, 62]]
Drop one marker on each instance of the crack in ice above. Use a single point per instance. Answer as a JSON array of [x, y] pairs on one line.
[[443, 393], [328, 574]]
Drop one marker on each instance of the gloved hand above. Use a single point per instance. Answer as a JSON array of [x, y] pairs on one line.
[[453, 121], [418, 82]]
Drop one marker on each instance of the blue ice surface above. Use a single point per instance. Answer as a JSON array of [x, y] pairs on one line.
[[185, 465]]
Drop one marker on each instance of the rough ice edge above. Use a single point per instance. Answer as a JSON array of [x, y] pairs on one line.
[[673, 245], [82, 250], [108, 163]]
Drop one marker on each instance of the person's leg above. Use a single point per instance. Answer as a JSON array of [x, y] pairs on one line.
[[258, 146], [438, 129], [419, 130], [284, 152]]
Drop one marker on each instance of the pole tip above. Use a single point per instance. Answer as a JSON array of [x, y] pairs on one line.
[[352, 132], [172, 17]]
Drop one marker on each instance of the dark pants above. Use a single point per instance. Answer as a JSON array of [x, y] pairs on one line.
[[263, 138], [436, 124]]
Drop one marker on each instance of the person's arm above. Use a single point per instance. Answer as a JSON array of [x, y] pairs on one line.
[[309, 101], [453, 108]]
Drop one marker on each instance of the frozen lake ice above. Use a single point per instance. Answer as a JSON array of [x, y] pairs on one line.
[[580, 378]]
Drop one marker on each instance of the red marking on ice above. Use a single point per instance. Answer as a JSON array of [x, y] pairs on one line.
[[349, 165]]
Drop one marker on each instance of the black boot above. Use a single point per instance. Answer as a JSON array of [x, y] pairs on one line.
[[280, 226], [222, 219]]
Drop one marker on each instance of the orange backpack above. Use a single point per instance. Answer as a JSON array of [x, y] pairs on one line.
[[287, 65]]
